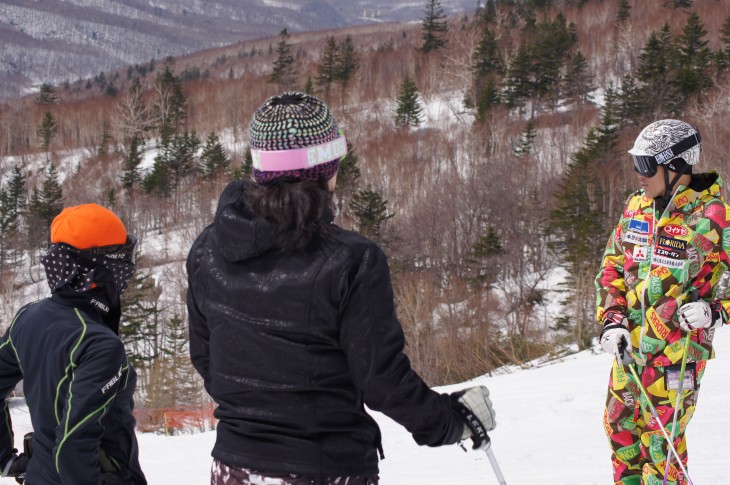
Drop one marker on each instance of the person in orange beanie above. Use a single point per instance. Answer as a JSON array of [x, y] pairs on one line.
[[78, 382]]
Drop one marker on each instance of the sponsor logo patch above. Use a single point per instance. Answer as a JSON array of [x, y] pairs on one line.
[[669, 242], [641, 253], [636, 238], [669, 253], [642, 227], [659, 260], [113, 381]]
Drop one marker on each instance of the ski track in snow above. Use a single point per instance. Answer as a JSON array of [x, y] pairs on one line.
[[549, 430]]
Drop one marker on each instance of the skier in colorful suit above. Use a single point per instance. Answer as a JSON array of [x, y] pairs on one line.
[[663, 274], [77, 381]]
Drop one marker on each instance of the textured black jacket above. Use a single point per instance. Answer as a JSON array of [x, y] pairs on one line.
[[292, 346], [78, 387]]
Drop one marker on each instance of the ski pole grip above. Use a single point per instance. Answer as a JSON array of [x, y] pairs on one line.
[[28, 444]]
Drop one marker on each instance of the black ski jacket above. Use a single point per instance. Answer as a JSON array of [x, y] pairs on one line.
[[293, 345], [79, 390]]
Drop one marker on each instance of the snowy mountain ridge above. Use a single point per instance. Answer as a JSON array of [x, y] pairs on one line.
[[63, 41]]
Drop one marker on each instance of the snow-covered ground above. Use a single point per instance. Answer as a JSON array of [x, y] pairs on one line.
[[549, 431]]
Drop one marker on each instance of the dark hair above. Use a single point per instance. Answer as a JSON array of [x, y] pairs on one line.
[[300, 209]]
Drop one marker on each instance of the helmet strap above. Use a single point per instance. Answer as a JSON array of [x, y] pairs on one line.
[[669, 187]]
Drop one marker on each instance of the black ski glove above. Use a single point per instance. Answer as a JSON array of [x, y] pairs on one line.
[[16, 467], [475, 409]]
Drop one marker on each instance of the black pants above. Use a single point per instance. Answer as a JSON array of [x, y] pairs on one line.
[[222, 474]]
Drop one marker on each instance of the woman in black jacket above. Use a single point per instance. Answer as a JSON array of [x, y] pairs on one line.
[[293, 326]]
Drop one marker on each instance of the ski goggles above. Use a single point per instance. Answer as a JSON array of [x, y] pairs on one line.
[[125, 252], [646, 165]]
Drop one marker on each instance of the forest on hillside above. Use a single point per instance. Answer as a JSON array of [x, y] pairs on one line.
[[487, 157]]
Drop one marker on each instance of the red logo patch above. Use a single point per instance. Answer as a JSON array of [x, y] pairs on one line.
[[675, 230]]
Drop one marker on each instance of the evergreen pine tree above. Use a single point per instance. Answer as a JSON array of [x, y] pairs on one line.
[[489, 13], [624, 12], [9, 225], [47, 130], [348, 173], [486, 59], [433, 27], [284, 74], [678, 4], [45, 204], [347, 176], [15, 202], [51, 195], [609, 127], [131, 173], [548, 53], [177, 381], [174, 161], [158, 181], [576, 225], [722, 56], [488, 98], [693, 60], [370, 212], [327, 69], [46, 95], [17, 190], [104, 139], [518, 83], [171, 105], [527, 140], [309, 86], [245, 170], [725, 36], [214, 157], [656, 71], [347, 63], [138, 327], [483, 261], [631, 106], [184, 149], [577, 82], [409, 111]]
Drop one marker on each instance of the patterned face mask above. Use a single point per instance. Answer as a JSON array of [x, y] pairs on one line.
[[79, 269]]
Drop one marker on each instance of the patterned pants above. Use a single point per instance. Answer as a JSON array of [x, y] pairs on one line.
[[222, 474], [638, 448]]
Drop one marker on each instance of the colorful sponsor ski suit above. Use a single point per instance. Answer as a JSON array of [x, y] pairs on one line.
[[652, 263]]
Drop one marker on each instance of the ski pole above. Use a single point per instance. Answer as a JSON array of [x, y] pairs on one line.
[[493, 461], [632, 368], [680, 389]]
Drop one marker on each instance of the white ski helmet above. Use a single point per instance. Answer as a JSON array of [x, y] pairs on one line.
[[673, 143]]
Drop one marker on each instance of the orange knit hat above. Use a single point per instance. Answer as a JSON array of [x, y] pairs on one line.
[[88, 226]]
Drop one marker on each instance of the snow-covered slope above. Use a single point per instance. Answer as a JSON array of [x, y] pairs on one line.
[[549, 431]]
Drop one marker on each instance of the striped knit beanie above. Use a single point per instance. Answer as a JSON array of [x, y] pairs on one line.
[[295, 135]]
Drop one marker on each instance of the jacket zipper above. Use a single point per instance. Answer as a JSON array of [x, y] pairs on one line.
[[651, 257]]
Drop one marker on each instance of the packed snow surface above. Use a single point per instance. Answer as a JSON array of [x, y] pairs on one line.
[[549, 431]]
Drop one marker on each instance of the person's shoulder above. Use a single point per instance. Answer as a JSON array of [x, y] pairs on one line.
[[354, 250], [351, 239], [635, 198]]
